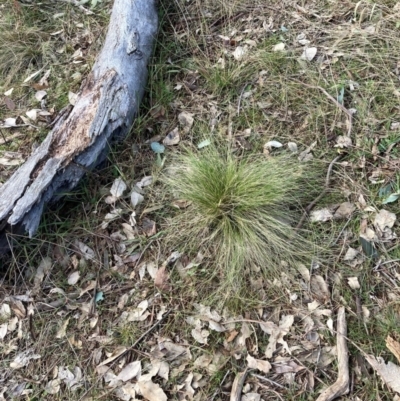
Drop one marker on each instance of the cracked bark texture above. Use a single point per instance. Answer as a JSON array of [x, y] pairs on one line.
[[107, 103]]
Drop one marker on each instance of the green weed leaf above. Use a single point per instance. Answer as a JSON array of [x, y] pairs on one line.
[[391, 198], [368, 249]]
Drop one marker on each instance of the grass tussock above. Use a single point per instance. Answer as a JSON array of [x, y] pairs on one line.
[[242, 210]]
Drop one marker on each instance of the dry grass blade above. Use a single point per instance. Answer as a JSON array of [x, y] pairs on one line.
[[321, 195], [20, 49]]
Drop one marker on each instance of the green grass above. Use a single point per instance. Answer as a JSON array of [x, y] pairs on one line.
[[242, 210], [127, 333]]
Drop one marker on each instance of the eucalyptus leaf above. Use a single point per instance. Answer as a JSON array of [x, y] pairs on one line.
[[369, 249], [391, 198], [203, 144], [386, 190], [341, 96], [99, 296], [157, 147]]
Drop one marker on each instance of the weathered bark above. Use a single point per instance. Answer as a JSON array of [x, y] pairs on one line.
[[106, 106]]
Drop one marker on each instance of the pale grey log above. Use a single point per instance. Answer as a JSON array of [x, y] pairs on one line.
[[107, 104]]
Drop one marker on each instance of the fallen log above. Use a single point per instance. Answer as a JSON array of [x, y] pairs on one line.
[[107, 103]]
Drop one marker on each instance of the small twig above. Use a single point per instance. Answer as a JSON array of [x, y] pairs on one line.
[[315, 201], [4, 138], [9, 138], [80, 6], [142, 253], [273, 391], [240, 98], [340, 106], [237, 386], [386, 262], [269, 381], [389, 278], [31, 328], [341, 386], [44, 306], [243, 321]]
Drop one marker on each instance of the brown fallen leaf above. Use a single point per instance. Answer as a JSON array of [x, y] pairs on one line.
[[181, 203], [130, 371], [186, 121], [319, 288], [389, 373], [42, 270], [173, 138], [393, 346], [148, 227], [287, 367], [231, 336], [9, 103], [63, 329], [344, 210], [161, 278], [117, 352], [18, 307], [259, 364], [39, 86], [384, 219], [151, 391]]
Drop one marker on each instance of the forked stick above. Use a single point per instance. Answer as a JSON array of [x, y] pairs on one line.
[[341, 385]]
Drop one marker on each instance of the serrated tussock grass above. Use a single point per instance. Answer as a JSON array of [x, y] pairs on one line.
[[242, 210]]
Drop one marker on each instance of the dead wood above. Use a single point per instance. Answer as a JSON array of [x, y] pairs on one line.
[[104, 111], [341, 385], [236, 391]]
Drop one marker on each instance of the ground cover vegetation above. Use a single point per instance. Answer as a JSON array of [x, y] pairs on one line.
[[252, 209]]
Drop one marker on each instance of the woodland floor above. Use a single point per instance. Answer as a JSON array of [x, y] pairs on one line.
[[101, 304]]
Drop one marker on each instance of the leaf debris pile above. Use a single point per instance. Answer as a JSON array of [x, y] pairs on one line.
[[105, 310]]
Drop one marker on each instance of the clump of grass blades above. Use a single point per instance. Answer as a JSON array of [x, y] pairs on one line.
[[242, 209], [21, 48]]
